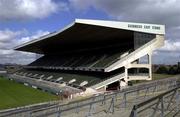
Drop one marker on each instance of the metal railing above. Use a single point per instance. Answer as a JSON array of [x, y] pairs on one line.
[[108, 102], [165, 104]]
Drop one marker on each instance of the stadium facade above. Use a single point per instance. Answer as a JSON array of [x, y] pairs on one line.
[[92, 55]]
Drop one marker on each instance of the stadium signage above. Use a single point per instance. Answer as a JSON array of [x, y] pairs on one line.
[[144, 26]]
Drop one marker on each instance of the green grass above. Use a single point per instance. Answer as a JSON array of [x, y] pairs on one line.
[[160, 76], [154, 77], [13, 94]]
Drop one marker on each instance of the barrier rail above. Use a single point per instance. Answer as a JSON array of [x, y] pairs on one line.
[[165, 104], [90, 106], [125, 98]]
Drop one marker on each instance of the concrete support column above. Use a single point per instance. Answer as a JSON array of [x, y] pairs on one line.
[[126, 74], [150, 63], [120, 83], [136, 62], [105, 88]]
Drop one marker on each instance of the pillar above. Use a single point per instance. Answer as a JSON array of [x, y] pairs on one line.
[[150, 65]]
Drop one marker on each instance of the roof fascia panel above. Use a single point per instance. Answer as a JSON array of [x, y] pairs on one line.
[[139, 27]]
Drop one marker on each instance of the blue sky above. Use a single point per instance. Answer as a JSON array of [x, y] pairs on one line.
[[54, 21], [24, 20]]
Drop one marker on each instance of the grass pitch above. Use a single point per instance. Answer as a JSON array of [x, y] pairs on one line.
[[13, 94], [154, 77], [161, 76]]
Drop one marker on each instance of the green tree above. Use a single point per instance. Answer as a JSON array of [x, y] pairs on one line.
[[178, 68], [172, 70], [162, 70]]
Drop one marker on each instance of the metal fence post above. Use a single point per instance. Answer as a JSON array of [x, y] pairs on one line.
[[175, 83], [177, 100], [125, 100], [59, 112], [147, 89], [162, 107], [137, 94], [155, 109], [154, 90], [116, 97], [134, 112], [104, 100], [111, 107], [91, 108], [77, 108], [29, 114]]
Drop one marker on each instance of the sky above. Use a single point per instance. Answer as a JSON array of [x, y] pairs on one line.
[[24, 20]]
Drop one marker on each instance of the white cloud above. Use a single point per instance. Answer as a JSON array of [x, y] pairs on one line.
[[152, 11], [10, 39], [171, 46], [29, 9], [7, 35], [168, 54], [25, 39]]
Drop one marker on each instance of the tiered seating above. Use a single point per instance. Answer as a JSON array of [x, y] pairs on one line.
[[108, 60], [76, 79], [85, 61], [75, 69]]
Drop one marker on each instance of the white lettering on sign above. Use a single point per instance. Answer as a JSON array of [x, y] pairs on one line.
[[144, 26]]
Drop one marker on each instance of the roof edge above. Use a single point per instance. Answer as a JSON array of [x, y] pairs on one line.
[[133, 26], [44, 36]]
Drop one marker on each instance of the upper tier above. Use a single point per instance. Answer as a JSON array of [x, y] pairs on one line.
[[86, 61], [89, 34]]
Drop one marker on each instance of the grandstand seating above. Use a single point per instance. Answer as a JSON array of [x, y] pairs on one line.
[[71, 78], [75, 69], [79, 61], [60, 77]]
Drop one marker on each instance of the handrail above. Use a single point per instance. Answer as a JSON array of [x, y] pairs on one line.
[[159, 97], [95, 99], [87, 102]]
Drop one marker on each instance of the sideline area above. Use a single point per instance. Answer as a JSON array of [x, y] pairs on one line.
[[13, 94]]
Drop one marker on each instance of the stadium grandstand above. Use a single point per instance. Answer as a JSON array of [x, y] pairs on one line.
[[91, 56]]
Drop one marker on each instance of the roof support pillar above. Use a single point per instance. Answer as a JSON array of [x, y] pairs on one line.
[[150, 65], [126, 74]]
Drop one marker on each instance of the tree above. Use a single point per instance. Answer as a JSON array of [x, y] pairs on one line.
[[162, 70], [178, 68], [172, 70]]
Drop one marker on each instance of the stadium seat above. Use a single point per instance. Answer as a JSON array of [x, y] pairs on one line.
[[84, 83], [84, 61]]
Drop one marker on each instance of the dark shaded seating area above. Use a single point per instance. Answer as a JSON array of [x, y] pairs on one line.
[[84, 61], [71, 78]]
